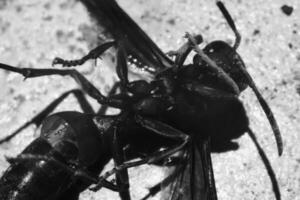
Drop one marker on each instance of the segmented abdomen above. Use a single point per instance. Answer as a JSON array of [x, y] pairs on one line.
[[34, 179]]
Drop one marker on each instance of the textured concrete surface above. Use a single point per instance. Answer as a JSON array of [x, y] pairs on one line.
[[34, 32]]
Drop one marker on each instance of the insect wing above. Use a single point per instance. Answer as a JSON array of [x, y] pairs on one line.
[[138, 44], [195, 180]]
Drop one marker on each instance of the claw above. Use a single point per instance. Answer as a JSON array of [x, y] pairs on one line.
[[57, 61]]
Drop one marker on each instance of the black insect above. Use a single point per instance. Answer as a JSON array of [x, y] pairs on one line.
[[195, 104], [51, 164], [233, 72], [200, 97], [71, 152], [64, 160]]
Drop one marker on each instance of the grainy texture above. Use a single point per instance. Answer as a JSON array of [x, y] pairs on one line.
[[34, 32]]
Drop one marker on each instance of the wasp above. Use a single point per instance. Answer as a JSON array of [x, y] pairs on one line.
[[72, 150], [195, 104], [60, 163], [217, 66], [65, 159]]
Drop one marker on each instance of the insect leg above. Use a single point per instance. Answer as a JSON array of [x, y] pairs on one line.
[[231, 24], [137, 43], [213, 66], [113, 91], [93, 54], [207, 91], [37, 120], [122, 68], [165, 131], [87, 86], [122, 178], [182, 53], [267, 165], [160, 129], [84, 104]]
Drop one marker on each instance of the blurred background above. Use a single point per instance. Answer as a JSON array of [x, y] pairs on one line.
[[33, 32]]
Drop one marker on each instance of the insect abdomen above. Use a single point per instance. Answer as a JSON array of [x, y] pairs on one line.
[[34, 179]]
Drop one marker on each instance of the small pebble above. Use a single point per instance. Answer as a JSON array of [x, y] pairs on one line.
[[256, 32], [298, 89], [287, 9]]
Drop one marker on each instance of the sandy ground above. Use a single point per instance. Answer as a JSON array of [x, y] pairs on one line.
[[34, 32]]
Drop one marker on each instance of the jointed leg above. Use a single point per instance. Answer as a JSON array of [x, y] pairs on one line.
[[93, 54], [161, 129], [87, 86], [206, 91], [164, 130], [84, 104], [122, 68], [122, 72], [182, 53], [122, 178], [113, 91]]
